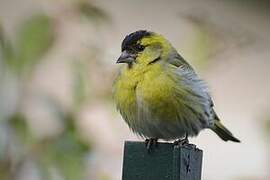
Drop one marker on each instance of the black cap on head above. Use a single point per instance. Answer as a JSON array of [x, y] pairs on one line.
[[133, 38]]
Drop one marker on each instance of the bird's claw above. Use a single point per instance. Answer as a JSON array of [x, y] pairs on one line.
[[181, 142], [151, 142]]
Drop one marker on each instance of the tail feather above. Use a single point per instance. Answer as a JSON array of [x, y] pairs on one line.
[[223, 132]]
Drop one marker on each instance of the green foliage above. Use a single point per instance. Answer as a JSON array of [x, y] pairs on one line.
[[66, 153], [17, 140], [33, 39], [6, 49], [4, 170], [20, 127]]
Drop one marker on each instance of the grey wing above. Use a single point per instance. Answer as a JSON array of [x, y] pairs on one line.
[[192, 91], [185, 68]]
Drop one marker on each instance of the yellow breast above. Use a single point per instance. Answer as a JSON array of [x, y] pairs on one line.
[[152, 86], [125, 88]]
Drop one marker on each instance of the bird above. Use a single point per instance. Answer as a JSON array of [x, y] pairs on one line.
[[159, 94]]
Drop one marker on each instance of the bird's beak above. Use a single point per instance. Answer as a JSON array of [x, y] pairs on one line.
[[125, 58]]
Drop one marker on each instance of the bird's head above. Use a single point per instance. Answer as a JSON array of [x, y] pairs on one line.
[[144, 47]]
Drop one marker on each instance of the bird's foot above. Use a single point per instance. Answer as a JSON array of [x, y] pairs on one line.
[[151, 142], [181, 142]]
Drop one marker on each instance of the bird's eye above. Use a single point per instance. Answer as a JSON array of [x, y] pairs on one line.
[[139, 47]]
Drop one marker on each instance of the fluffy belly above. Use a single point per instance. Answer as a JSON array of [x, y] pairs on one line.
[[159, 114], [159, 129], [151, 108]]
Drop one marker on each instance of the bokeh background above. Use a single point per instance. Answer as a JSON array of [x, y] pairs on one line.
[[57, 65]]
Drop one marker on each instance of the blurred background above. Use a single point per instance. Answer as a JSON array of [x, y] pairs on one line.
[[57, 65]]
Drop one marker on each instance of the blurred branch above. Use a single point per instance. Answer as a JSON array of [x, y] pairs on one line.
[[91, 12], [213, 38]]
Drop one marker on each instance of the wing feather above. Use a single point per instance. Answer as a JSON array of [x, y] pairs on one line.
[[191, 90]]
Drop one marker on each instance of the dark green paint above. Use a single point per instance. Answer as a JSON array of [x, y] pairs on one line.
[[165, 162]]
